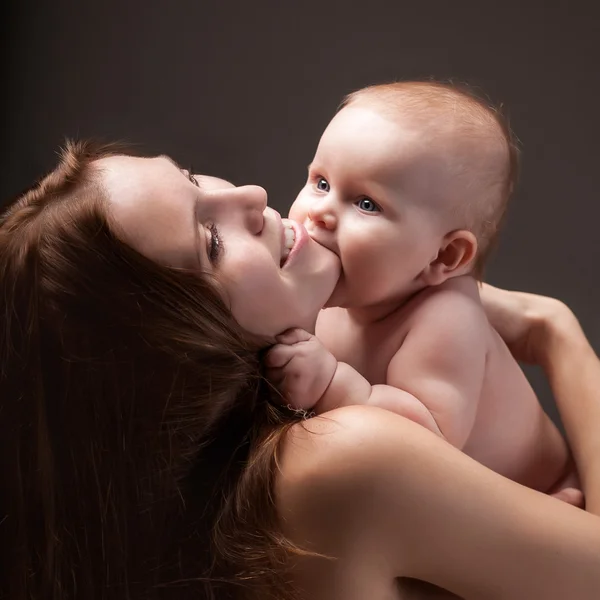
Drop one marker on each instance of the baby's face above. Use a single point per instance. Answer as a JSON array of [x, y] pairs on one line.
[[372, 197]]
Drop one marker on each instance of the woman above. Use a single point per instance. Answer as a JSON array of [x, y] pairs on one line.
[[142, 456]]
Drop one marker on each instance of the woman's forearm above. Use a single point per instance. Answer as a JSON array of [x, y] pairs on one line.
[[573, 370]]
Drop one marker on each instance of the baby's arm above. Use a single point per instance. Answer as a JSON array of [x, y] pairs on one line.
[[310, 378], [348, 387], [442, 361]]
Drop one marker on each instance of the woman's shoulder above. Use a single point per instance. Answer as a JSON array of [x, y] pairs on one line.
[[332, 463], [336, 495], [325, 445], [359, 429]]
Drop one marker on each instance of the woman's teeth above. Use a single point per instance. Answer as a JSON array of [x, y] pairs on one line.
[[290, 239]]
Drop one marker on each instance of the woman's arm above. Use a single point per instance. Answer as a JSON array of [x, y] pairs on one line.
[[544, 331], [574, 374]]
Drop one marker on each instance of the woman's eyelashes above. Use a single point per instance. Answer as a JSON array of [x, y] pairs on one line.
[[365, 204], [192, 178], [189, 174], [215, 245]]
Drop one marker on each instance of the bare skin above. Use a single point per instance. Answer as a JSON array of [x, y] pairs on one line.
[[383, 495], [387, 499], [385, 194], [478, 395]]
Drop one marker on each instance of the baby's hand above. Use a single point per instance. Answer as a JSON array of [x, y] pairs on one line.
[[300, 367]]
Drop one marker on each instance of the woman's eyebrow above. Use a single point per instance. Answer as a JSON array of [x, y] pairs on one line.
[[172, 161], [195, 179], [183, 170]]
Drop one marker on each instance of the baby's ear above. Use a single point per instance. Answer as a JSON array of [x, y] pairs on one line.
[[455, 257]]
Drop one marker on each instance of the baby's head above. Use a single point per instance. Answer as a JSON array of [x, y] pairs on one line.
[[408, 185]]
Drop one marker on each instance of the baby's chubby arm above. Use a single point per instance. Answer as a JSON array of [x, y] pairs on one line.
[[442, 361], [310, 378]]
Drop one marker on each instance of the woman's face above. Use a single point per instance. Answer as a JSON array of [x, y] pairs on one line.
[[273, 275]]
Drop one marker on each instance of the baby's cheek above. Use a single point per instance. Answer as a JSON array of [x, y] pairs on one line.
[[359, 246], [299, 210]]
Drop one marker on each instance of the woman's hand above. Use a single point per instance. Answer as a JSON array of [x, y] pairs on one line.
[[527, 323]]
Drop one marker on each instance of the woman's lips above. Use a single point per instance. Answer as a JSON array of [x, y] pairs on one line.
[[300, 240]]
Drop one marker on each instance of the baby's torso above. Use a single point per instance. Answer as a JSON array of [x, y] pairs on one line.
[[510, 424]]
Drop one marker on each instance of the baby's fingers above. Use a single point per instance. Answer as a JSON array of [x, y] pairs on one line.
[[279, 356], [293, 336], [276, 377]]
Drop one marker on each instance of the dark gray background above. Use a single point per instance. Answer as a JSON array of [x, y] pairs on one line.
[[243, 90]]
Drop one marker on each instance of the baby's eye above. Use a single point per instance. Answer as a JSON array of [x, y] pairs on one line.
[[322, 185], [368, 205]]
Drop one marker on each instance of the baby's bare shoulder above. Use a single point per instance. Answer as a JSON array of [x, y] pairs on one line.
[[450, 305]]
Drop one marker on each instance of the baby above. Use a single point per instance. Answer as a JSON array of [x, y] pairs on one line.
[[408, 186]]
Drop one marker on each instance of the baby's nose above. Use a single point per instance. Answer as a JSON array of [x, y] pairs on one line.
[[323, 215]]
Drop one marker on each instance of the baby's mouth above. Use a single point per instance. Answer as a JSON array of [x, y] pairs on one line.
[[317, 237], [289, 241]]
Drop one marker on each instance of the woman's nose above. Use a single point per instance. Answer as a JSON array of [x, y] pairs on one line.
[[252, 201], [252, 196], [322, 214]]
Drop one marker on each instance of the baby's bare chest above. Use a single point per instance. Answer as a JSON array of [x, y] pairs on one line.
[[369, 348]]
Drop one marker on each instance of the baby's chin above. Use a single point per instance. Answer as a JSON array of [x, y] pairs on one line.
[[324, 259], [366, 298], [337, 297], [325, 250]]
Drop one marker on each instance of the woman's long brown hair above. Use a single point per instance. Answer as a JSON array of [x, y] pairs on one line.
[[137, 440]]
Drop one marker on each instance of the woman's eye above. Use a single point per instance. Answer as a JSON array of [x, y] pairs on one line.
[[215, 246], [189, 173], [322, 185], [368, 205]]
